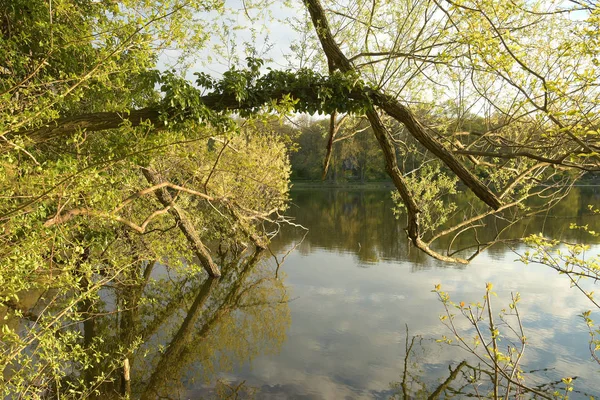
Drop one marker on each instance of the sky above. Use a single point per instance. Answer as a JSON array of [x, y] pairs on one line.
[[272, 39]]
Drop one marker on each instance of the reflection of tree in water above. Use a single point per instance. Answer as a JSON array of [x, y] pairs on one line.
[[353, 221], [175, 329], [243, 315], [361, 222], [464, 379]]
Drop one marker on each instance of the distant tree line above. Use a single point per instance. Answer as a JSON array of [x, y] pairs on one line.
[[355, 153]]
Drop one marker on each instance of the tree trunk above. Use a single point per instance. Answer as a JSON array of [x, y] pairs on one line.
[[184, 225], [403, 115]]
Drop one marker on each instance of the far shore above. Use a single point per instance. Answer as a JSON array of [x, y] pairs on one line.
[[388, 185], [306, 184]]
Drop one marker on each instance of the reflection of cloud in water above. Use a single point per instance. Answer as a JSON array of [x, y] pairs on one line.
[[348, 330], [347, 337]]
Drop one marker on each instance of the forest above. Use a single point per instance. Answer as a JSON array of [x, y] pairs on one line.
[[123, 151]]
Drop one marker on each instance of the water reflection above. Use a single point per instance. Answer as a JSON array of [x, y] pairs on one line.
[[360, 222], [364, 318], [357, 283], [230, 321], [157, 333]]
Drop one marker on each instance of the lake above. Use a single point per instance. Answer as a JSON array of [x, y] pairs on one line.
[[343, 310], [358, 295]]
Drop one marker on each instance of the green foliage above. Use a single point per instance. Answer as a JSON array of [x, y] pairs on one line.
[[78, 215], [69, 56], [430, 185], [499, 373], [74, 217], [99, 249], [575, 261], [181, 104], [305, 90]]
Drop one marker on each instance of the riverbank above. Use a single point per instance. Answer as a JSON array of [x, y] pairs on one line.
[[299, 185]]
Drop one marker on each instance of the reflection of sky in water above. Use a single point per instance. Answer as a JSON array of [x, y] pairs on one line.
[[348, 331]]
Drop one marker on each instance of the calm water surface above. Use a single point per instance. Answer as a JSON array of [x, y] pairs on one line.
[[358, 295]]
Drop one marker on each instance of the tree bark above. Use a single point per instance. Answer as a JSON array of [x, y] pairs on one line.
[[91, 123], [186, 227]]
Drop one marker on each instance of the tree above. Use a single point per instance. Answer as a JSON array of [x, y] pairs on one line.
[[79, 212], [355, 151], [307, 161], [541, 124], [107, 163]]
